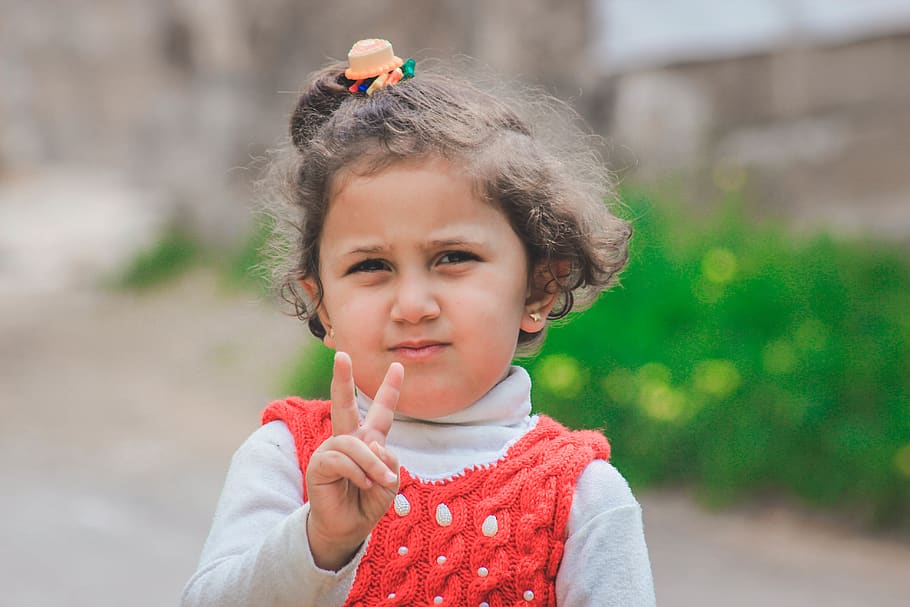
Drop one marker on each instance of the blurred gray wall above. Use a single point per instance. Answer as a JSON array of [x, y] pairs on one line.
[[803, 105]]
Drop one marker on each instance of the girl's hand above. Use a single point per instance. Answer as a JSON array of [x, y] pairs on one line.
[[352, 479]]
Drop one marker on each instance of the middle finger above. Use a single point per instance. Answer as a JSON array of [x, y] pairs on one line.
[[379, 418]]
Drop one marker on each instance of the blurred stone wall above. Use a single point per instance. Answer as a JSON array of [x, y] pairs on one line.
[[816, 134]]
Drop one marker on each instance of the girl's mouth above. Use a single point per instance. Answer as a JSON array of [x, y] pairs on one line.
[[417, 351]]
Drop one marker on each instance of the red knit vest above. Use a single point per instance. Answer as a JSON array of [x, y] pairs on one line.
[[490, 537]]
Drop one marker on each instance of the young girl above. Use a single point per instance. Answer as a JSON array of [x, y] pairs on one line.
[[435, 235]]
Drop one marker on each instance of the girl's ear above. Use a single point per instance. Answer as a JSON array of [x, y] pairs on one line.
[[542, 294], [309, 285]]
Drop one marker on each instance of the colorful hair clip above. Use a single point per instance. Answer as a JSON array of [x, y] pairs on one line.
[[372, 65]]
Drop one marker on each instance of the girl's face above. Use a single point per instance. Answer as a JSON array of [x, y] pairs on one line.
[[416, 268]]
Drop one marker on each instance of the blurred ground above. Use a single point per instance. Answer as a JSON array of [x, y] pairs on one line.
[[120, 412]]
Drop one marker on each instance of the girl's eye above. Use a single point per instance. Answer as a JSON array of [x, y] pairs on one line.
[[457, 257], [368, 265]]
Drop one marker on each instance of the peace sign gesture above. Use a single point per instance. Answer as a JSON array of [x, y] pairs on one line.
[[352, 478]]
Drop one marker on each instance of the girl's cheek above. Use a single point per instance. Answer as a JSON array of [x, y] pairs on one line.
[[360, 309]]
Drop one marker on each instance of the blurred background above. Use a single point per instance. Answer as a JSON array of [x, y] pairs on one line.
[[752, 372]]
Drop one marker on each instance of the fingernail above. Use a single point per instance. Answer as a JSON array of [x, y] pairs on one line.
[[390, 477]]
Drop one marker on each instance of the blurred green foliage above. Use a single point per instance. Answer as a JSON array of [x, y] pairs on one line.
[[177, 251], [174, 253], [741, 360]]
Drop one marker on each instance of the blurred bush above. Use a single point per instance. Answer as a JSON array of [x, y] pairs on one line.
[[173, 254], [177, 251], [741, 361]]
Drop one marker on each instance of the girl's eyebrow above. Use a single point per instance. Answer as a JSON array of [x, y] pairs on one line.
[[453, 242], [366, 250]]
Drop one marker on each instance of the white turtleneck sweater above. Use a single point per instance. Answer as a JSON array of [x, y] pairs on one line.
[[257, 551]]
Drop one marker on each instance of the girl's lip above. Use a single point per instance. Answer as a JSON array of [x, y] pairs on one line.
[[418, 351]]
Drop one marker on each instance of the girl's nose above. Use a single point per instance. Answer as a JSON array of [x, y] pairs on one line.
[[415, 300]]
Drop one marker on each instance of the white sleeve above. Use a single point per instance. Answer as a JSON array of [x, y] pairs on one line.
[[257, 552], [606, 560]]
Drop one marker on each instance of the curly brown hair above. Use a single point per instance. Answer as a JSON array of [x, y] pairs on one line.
[[552, 194]]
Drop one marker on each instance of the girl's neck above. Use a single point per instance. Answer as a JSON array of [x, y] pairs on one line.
[[507, 403]]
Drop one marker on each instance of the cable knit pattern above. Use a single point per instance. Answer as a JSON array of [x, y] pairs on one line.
[[493, 535]]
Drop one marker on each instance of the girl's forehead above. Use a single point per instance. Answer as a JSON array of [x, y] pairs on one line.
[[429, 189], [374, 167]]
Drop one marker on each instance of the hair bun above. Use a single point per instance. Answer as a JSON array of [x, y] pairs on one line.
[[317, 103]]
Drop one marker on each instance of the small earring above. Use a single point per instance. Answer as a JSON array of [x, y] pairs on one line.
[[331, 333], [535, 316]]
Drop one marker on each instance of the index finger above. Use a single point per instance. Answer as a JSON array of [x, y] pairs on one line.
[[345, 417], [382, 411]]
